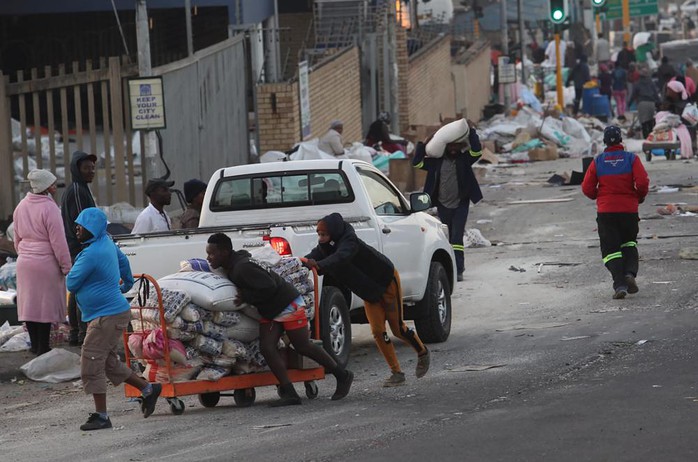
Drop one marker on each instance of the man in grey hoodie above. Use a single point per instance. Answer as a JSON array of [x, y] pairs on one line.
[[76, 198]]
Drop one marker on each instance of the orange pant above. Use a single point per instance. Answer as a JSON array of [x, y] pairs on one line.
[[389, 308]]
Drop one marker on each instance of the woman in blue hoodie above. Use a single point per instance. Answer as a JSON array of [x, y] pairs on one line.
[[99, 277]]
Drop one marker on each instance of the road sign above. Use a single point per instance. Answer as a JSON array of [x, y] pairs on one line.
[[637, 8], [507, 71], [147, 103]]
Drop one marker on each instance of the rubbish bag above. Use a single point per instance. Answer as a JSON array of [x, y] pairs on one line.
[[58, 365], [360, 152], [310, 150], [474, 238], [18, 342]]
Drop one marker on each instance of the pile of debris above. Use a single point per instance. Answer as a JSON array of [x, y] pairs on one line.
[[529, 136]]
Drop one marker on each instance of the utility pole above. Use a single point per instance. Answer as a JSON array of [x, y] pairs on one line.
[[145, 70], [505, 47], [392, 70], [626, 21], [522, 42], [558, 71], [190, 38]]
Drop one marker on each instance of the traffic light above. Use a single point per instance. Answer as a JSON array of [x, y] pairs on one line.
[[558, 11], [598, 3]]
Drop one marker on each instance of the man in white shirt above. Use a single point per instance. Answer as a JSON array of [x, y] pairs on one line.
[[331, 142], [550, 52], [153, 218], [603, 50]]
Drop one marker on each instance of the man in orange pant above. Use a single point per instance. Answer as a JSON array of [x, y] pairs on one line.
[[372, 276]]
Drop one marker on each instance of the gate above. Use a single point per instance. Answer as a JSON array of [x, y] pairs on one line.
[[43, 119]]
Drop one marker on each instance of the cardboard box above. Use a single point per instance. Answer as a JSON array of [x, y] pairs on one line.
[[549, 152], [490, 144], [401, 173]]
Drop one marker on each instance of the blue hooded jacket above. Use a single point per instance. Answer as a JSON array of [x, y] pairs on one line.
[[94, 278]]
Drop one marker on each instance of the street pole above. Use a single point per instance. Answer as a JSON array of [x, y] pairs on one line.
[[393, 71], [505, 47], [190, 38], [522, 42], [145, 70], [476, 28], [558, 69], [626, 21]]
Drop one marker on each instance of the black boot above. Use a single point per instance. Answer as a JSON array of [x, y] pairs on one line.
[[288, 395]]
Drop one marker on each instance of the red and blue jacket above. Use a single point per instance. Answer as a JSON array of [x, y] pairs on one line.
[[617, 180]]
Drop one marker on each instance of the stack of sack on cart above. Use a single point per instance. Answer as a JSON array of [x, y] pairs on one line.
[[209, 335]]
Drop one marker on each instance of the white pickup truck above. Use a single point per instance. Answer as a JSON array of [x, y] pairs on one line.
[[280, 203]]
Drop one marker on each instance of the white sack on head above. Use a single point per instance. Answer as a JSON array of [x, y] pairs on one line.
[[450, 133]]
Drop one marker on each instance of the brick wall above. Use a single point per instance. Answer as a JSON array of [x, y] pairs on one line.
[[472, 81], [430, 86], [335, 93], [278, 116], [403, 67]]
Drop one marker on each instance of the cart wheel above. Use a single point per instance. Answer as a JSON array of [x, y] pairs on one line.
[[244, 397], [648, 156], [311, 390], [209, 399], [667, 154], [673, 154], [176, 406]]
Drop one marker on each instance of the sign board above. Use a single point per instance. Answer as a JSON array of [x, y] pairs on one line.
[[147, 103], [304, 92], [506, 71], [637, 8]]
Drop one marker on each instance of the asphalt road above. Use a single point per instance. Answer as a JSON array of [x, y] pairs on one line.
[[562, 371]]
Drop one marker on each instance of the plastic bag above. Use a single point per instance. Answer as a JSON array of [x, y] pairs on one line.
[[7, 332], [266, 254], [213, 373], [195, 264], [310, 150], [474, 238], [154, 347], [360, 152], [690, 113], [58, 365], [19, 342]]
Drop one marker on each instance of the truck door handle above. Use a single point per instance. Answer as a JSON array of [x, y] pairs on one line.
[[386, 230]]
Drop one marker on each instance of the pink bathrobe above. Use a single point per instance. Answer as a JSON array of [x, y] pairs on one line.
[[43, 259]]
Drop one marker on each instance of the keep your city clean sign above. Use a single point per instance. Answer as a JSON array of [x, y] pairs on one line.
[[147, 103]]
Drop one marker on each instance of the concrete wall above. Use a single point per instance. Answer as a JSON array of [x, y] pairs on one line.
[[471, 73], [335, 93], [430, 85]]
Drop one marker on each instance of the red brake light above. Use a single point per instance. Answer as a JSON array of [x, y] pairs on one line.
[[279, 244]]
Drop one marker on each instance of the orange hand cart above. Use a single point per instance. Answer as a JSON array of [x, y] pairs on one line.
[[242, 386]]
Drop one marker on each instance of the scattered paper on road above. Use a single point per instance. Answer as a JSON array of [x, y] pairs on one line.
[[540, 201], [260, 427], [578, 337], [544, 325], [476, 367]]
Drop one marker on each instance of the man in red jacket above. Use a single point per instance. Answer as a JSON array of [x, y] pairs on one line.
[[618, 182]]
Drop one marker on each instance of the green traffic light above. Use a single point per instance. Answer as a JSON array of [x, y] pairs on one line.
[[598, 3], [557, 15]]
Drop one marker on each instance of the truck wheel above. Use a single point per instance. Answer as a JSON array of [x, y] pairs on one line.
[[435, 325], [335, 324]]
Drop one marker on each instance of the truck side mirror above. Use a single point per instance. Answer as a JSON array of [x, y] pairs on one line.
[[419, 202]]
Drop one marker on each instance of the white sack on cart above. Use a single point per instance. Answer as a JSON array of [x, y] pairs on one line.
[[58, 365], [246, 330], [266, 254], [208, 290]]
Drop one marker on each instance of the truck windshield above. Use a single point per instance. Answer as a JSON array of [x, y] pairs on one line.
[[281, 189]]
